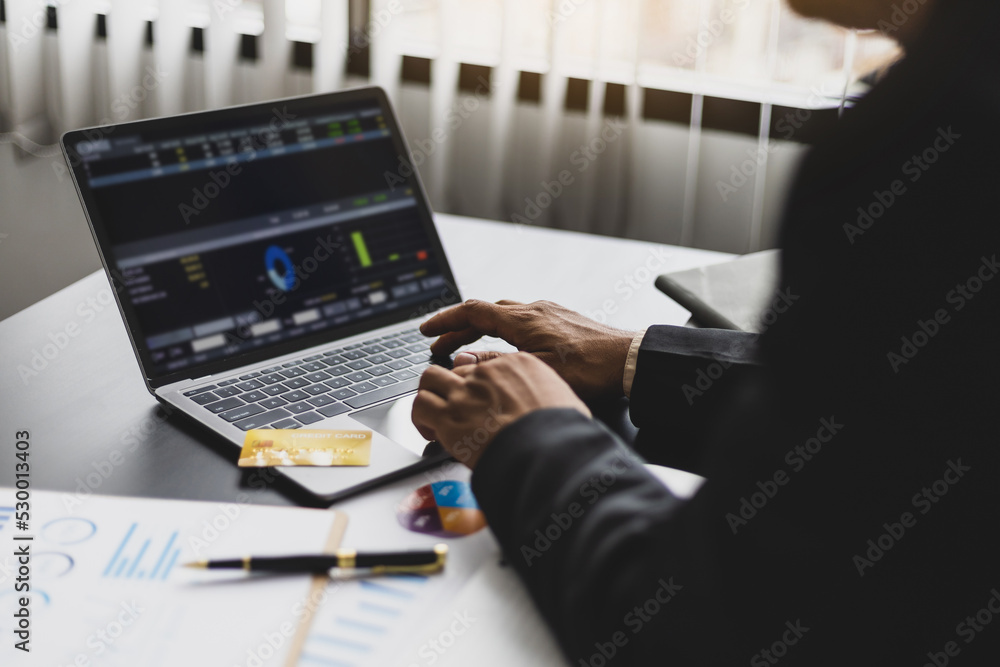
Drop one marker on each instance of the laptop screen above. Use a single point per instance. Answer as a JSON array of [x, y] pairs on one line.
[[230, 233]]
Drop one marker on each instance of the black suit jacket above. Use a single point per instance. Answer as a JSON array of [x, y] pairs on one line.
[[851, 511]]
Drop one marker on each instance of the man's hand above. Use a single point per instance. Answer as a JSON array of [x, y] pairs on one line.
[[465, 409], [589, 356]]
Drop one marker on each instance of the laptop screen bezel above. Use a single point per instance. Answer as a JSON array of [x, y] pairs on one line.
[[188, 123]]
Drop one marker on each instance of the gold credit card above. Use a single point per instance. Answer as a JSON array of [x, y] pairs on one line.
[[301, 447]]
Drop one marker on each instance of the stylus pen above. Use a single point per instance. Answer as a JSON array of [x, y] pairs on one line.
[[701, 312], [385, 562]]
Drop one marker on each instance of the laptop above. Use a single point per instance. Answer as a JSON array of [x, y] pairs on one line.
[[272, 263]]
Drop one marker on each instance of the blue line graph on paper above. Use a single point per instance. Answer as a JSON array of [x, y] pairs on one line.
[[360, 617], [143, 557]]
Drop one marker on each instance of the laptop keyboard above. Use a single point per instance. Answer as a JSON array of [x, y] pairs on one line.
[[298, 393]]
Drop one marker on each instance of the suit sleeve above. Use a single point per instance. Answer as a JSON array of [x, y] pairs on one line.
[[591, 532], [683, 376], [679, 366]]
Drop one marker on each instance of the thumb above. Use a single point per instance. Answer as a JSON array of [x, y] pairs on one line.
[[469, 358]]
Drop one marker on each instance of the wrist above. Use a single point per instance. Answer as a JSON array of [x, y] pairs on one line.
[[615, 357], [631, 362]]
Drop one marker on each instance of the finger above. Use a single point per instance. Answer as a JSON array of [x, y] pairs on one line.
[[452, 319], [487, 318], [465, 359], [451, 341], [470, 358], [509, 302], [465, 371], [427, 408], [439, 381]]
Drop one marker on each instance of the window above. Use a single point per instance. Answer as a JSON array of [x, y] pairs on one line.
[[760, 42]]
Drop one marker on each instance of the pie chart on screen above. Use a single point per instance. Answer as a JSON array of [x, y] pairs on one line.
[[284, 281], [443, 509]]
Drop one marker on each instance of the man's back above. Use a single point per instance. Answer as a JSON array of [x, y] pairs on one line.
[[892, 243], [851, 506]]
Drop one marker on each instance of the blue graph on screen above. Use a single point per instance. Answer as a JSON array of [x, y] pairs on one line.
[[6, 514], [142, 559]]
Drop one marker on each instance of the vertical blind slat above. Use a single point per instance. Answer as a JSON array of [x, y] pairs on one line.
[[504, 96], [76, 49], [331, 51], [554, 84], [633, 98], [275, 56], [589, 220], [25, 55], [221, 50], [126, 35], [170, 47], [71, 78], [385, 60], [4, 79], [444, 91]]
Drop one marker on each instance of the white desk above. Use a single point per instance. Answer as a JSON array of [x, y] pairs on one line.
[[90, 401], [495, 261]]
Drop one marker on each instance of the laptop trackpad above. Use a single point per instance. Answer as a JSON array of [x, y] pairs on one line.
[[393, 421], [392, 426]]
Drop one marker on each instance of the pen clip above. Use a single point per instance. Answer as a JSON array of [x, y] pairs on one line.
[[440, 550]]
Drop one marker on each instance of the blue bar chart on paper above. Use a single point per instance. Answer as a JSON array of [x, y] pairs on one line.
[[365, 617], [140, 557]]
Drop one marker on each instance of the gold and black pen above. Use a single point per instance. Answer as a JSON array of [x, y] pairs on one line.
[[375, 563]]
